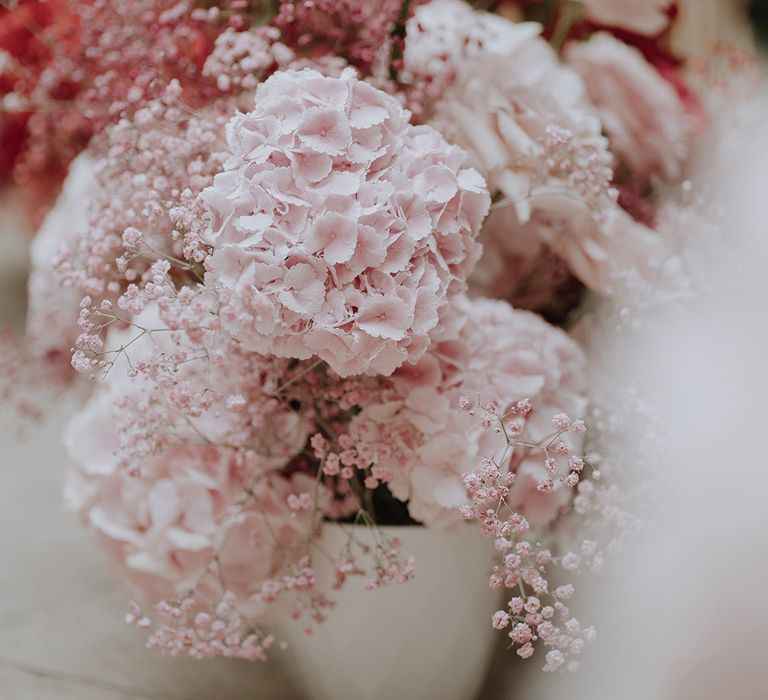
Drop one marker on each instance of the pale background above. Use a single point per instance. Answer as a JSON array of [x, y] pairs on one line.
[[61, 631]]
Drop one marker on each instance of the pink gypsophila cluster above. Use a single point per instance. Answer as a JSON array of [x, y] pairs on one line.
[[537, 614], [179, 465], [337, 228], [364, 32], [189, 465], [241, 59], [172, 380], [143, 168]]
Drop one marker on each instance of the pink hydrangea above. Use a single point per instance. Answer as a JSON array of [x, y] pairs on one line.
[[337, 228], [163, 527], [422, 441], [168, 388], [644, 118], [180, 449]]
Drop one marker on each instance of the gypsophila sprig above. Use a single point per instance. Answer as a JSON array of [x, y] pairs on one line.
[[537, 614]]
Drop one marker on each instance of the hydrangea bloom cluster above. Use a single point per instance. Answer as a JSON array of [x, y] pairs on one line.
[[337, 228], [419, 439]]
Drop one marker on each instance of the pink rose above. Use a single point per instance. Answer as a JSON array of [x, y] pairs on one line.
[[646, 17], [511, 122], [610, 252], [641, 112]]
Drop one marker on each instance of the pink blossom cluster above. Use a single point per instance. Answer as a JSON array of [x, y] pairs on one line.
[[337, 229], [112, 220], [643, 116], [535, 133], [537, 614], [202, 632], [146, 165], [189, 466], [178, 468], [171, 379], [531, 132], [241, 59], [195, 516], [418, 439], [364, 32], [524, 129]]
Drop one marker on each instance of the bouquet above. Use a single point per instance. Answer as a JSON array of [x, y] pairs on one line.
[[324, 260]]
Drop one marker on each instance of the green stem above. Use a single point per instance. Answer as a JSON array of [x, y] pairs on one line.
[[398, 36], [570, 12]]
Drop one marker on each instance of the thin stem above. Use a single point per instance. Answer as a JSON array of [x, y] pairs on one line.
[[298, 376], [571, 11]]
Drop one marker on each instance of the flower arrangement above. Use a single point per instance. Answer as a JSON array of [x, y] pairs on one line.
[[315, 256]]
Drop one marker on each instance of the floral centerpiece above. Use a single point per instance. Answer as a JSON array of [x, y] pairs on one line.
[[320, 258]]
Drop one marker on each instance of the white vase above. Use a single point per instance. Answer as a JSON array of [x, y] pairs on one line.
[[428, 638]]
